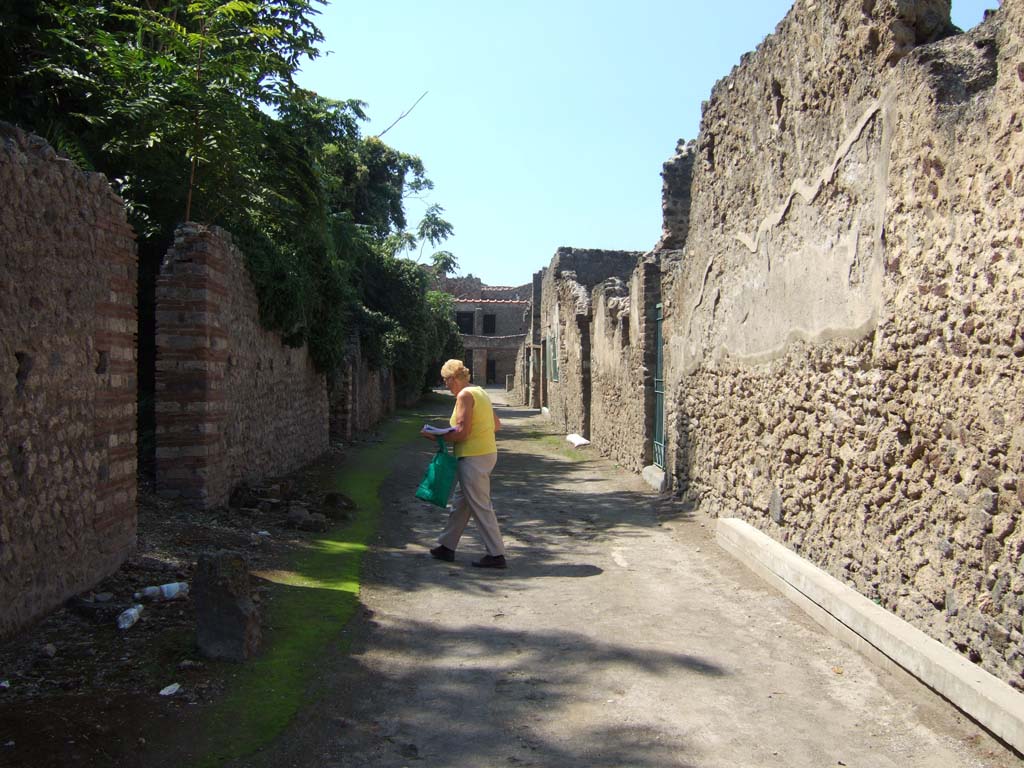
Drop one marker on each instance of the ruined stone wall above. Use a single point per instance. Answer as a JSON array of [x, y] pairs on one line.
[[519, 393], [847, 347], [233, 403], [526, 387], [507, 292], [566, 288], [470, 287], [360, 396], [67, 380], [623, 366]]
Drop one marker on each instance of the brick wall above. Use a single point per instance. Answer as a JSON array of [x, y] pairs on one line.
[[67, 379], [232, 402], [846, 350]]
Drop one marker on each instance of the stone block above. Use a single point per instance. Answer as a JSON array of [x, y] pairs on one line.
[[227, 619]]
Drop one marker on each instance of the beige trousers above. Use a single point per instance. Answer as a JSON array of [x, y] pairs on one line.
[[473, 498]]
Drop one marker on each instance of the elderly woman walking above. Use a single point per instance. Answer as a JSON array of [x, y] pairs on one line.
[[475, 424]]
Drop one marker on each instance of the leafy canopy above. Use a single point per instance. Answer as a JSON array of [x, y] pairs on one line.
[[192, 109]]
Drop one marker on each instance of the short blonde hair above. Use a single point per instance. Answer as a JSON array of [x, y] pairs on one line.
[[455, 368]]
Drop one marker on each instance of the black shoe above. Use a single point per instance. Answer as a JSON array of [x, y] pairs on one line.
[[441, 552], [491, 561]]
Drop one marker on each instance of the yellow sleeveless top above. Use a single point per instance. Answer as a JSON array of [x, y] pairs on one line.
[[481, 432]]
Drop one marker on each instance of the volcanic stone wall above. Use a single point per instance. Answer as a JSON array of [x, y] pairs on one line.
[[565, 314], [846, 354], [67, 380], [623, 361], [360, 396], [232, 402]]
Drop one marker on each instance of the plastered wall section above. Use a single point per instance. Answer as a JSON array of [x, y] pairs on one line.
[[233, 403], [623, 366], [67, 380], [846, 350]]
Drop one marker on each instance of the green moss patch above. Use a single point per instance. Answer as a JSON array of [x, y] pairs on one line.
[[312, 600]]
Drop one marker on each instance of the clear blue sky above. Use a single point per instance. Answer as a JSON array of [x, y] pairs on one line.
[[547, 121]]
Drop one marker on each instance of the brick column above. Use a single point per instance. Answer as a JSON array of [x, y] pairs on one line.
[[190, 366]]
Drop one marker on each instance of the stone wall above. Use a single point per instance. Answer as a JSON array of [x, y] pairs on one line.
[[233, 403], [470, 287], [846, 348], [623, 362], [67, 380], [360, 396], [565, 317], [526, 386]]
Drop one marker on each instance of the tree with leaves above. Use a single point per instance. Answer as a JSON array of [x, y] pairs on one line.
[[191, 108]]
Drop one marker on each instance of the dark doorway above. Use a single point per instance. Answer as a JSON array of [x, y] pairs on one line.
[[492, 372]]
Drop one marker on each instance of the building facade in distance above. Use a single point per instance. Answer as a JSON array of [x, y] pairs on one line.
[[492, 321]]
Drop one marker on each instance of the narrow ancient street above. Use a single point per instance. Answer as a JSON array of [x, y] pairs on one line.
[[621, 635]]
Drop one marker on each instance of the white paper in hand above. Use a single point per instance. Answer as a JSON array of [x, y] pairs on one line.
[[430, 430]]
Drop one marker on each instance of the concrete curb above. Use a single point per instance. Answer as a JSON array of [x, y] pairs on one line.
[[882, 636]]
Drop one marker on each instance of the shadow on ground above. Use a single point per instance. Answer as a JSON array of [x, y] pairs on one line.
[[510, 684], [547, 496]]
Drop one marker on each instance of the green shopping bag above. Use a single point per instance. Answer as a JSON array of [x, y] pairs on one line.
[[437, 483]]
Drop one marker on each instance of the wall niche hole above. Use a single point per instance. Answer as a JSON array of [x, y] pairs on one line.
[[103, 362], [17, 458], [25, 364]]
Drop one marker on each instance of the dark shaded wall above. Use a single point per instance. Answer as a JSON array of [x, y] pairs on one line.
[[360, 396], [67, 380]]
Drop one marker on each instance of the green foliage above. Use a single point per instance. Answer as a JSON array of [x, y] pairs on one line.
[[170, 99], [445, 263], [404, 325]]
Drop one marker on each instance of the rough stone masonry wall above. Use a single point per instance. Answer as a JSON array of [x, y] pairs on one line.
[[566, 288], [623, 365], [67, 380], [232, 402], [360, 396], [847, 345]]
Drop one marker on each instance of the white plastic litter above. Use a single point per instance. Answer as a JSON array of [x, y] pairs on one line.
[[163, 592], [129, 617], [5, 684], [170, 690], [264, 534], [577, 440]]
